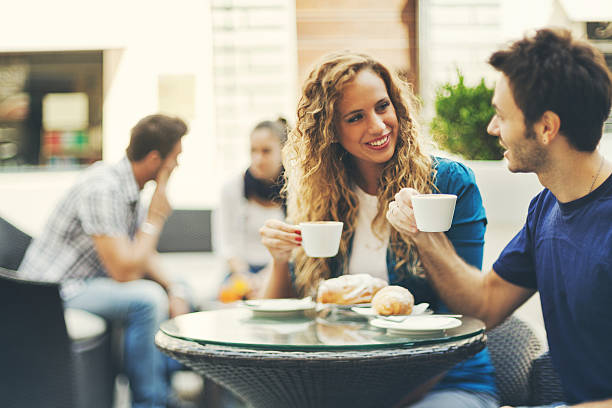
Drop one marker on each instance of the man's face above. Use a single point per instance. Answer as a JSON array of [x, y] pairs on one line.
[[524, 152]]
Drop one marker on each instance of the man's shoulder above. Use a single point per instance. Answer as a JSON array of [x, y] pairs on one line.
[[99, 176]]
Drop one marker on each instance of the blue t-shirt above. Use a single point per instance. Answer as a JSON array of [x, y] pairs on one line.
[[565, 252]]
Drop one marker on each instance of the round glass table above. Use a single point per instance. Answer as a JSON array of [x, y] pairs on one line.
[[317, 359]]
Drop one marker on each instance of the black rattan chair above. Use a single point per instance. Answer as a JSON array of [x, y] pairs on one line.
[[13, 244], [41, 366], [524, 374]]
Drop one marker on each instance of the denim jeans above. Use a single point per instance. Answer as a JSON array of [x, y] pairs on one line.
[[140, 306], [453, 398]]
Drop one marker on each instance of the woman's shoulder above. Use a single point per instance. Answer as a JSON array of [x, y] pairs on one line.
[[451, 176], [451, 168]]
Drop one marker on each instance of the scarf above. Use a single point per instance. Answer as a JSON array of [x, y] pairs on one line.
[[265, 190]]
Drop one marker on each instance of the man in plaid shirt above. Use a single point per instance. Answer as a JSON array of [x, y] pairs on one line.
[[101, 246]]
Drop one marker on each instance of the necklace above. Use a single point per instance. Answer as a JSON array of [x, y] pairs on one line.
[[597, 175]]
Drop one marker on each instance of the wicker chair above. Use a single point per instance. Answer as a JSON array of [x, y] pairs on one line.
[[41, 365], [524, 375], [13, 245], [45, 362]]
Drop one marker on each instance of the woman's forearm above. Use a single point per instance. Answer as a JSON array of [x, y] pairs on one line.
[[279, 282]]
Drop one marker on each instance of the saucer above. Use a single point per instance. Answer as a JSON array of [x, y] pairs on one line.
[[428, 324]]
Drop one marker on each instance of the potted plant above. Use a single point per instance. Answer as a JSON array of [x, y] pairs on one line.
[[460, 124]]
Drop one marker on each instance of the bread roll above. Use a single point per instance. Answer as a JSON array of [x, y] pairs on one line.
[[349, 289], [393, 300]]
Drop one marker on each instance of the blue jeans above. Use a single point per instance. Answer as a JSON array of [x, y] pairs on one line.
[[140, 306], [454, 398], [556, 404]]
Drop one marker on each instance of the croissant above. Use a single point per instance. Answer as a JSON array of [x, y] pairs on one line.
[[349, 289], [393, 300]]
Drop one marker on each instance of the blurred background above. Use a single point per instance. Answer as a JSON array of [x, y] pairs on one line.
[[76, 75]]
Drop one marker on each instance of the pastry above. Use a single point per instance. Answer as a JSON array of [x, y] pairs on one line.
[[393, 300], [349, 289]]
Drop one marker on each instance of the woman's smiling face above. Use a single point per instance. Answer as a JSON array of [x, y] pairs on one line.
[[366, 122]]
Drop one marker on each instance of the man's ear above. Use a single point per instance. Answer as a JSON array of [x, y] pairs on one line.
[[153, 158], [547, 128]]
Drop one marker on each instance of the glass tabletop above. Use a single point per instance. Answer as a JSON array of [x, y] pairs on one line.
[[311, 331]]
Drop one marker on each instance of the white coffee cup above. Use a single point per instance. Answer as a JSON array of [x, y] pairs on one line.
[[321, 239], [434, 212]]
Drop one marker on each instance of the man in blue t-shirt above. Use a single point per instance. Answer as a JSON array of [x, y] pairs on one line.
[[551, 101]]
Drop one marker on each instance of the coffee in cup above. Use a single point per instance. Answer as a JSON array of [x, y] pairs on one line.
[[321, 239], [434, 212]]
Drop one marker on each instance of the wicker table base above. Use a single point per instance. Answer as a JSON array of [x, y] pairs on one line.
[[368, 378]]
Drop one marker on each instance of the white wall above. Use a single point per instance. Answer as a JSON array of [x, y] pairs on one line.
[[142, 40], [456, 34]]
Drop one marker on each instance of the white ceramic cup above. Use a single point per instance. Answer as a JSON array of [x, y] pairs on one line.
[[434, 212], [321, 239]]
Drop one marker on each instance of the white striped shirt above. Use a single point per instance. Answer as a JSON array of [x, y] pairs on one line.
[[104, 201]]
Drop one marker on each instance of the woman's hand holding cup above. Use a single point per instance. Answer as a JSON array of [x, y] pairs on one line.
[[280, 238]]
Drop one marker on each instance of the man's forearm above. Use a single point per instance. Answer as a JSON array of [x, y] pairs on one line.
[[145, 242], [125, 259], [464, 288], [460, 285]]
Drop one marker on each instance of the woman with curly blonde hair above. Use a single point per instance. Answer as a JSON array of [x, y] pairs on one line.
[[355, 145]]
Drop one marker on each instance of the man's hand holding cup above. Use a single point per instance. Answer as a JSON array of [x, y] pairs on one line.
[[401, 214], [412, 212]]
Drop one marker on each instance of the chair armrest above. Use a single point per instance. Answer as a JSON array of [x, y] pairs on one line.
[[545, 383]]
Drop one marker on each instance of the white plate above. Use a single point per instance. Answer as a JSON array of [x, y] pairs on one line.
[[419, 309], [338, 306], [417, 325], [279, 307]]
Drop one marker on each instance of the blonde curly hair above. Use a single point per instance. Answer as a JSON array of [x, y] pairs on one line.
[[320, 173]]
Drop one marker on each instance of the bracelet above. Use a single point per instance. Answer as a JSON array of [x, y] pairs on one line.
[[149, 229]]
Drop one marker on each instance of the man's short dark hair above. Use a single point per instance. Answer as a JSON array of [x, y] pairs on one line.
[[155, 132], [551, 71]]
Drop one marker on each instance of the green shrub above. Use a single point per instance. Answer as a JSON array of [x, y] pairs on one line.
[[462, 116]]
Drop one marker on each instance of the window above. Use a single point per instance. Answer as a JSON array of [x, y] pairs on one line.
[[600, 34], [50, 108]]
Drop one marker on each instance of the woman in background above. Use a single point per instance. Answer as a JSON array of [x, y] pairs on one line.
[[246, 203]]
